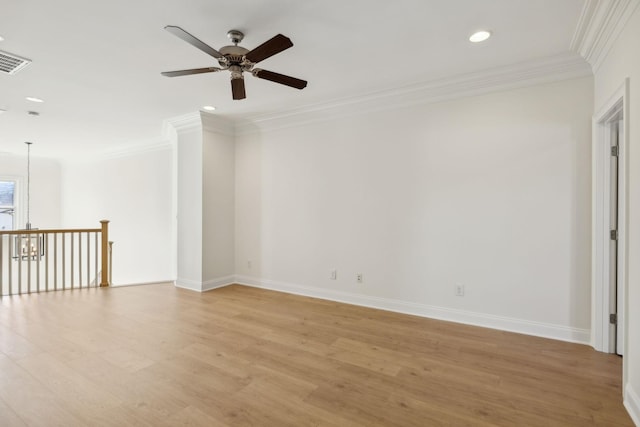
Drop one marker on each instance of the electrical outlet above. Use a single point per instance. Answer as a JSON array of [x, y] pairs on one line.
[[249, 264], [359, 277], [333, 274], [459, 290]]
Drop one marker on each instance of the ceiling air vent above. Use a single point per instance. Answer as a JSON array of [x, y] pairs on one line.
[[11, 64]]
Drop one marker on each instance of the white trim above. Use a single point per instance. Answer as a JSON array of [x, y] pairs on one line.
[[598, 28], [217, 124], [522, 326], [156, 145], [544, 70], [208, 285], [578, 41], [623, 226], [192, 285], [157, 282], [121, 151], [220, 282], [173, 141], [632, 403], [600, 219], [199, 120], [189, 122], [184, 123]]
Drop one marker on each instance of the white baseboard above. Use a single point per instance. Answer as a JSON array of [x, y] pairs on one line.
[[158, 282], [194, 285], [563, 333], [220, 282], [632, 403]]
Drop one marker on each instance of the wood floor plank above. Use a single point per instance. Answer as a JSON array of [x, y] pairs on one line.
[[8, 418], [157, 355], [191, 416], [31, 400]]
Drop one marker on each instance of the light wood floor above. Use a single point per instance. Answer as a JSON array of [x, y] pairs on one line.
[[237, 356]]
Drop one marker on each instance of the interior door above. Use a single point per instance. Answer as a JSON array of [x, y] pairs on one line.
[[615, 335]]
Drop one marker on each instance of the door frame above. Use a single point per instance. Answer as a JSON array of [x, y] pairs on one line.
[[603, 122]]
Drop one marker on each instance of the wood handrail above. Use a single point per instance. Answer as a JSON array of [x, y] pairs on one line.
[[53, 231]]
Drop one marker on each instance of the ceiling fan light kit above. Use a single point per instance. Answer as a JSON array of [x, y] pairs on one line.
[[238, 60]]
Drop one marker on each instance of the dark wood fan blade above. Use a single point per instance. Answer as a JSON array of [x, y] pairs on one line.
[[179, 32], [269, 48], [191, 71], [237, 88], [279, 78]]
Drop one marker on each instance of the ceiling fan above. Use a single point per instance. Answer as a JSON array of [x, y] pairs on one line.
[[238, 60]]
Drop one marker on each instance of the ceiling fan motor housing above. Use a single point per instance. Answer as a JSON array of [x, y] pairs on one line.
[[234, 55]]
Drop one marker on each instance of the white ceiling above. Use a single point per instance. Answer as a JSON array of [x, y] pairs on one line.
[[97, 64]]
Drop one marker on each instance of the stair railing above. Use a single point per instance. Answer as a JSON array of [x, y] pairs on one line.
[[58, 259]]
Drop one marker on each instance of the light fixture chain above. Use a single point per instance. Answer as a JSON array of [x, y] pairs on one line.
[[28, 227]]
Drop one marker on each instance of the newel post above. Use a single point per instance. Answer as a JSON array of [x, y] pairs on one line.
[[104, 273]]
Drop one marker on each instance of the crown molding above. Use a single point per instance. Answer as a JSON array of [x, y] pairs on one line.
[[217, 124], [145, 148], [598, 28], [198, 121], [137, 148], [545, 70], [185, 123]]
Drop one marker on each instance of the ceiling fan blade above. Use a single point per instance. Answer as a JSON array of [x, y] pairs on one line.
[[237, 89], [191, 71], [279, 78], [179, 32], [269, 48]]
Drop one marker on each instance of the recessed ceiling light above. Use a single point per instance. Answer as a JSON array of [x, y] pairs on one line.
[[209, 108], [33, 99], [479, 36]]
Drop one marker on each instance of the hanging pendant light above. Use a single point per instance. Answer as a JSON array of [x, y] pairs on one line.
[[28, 245]]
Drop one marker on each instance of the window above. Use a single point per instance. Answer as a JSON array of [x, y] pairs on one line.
[[7, 204]]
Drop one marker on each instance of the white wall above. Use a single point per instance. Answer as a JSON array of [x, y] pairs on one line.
[[218, 207], [189, 200], [134, 192], [491, 192], [624, 61]]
